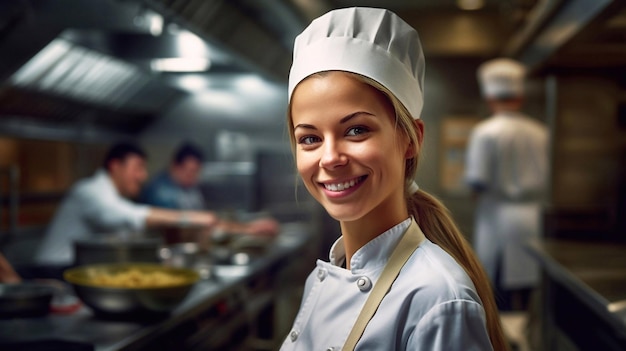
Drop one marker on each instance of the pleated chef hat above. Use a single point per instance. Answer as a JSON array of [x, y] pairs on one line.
[[375, 43], [502, 78]]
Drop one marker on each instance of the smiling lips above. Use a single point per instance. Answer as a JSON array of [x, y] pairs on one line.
[[337, 187]]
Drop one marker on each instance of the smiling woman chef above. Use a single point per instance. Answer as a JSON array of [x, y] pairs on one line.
[[401, 277]]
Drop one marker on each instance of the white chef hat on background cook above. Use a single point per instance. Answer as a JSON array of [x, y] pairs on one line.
[[375, 43], [502, 78]]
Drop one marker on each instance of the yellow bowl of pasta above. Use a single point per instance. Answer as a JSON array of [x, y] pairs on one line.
[[131, 289]]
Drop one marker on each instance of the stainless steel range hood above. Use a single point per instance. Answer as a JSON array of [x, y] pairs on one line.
[[54, 88], [74, 68], [86, 64]]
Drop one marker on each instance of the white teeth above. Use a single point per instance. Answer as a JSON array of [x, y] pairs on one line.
[[341, 186]]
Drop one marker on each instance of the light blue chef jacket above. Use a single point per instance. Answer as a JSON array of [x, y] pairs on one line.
[[432, 305]]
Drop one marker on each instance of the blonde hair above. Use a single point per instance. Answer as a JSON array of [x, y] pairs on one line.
[[438, 226], [435, 220]]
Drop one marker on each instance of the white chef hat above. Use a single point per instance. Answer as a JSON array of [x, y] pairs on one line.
[[375, 43], [502, 78]]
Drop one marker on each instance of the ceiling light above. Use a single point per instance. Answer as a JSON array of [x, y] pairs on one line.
[[190, 45], [250, 84], [181, 64], [150, 21], [470, 4], [193, 82]]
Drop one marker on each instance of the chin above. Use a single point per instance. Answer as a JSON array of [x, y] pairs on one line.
[[344, 215]]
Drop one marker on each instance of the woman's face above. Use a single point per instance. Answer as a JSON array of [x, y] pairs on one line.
[[349, 153]]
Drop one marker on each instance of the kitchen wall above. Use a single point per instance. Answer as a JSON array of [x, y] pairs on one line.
[[46, 169], [589, 156]]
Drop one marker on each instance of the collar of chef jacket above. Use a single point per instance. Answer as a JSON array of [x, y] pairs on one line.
[[508, 114], [374, 254], [106, 183]]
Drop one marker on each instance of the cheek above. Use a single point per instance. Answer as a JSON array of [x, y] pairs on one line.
[[304, 162], [307, 166], [390, 156]]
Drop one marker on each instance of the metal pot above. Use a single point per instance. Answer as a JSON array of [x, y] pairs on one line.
[[129, 302], [116, 250], [25, 300]]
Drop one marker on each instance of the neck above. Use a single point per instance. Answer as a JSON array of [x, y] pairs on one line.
[[359, 232], [511, 105], [116, 183]]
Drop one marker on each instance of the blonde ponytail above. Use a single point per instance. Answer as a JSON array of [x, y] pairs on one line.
[[436, 222], [438, 226]]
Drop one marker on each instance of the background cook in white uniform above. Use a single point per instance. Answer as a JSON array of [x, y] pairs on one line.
[[507, 164], [92, 206]]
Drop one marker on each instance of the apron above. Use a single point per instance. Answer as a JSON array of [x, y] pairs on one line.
[[502, 230], [409, 243]]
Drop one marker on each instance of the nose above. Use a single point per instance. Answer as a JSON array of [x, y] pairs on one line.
[[332, 156]]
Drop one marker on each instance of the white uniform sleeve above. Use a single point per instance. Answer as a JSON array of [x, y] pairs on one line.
[[478, 160], [113, 212], [457, 325]]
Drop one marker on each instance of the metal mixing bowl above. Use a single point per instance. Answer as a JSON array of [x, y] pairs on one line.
[[25, 300], [123, 301]]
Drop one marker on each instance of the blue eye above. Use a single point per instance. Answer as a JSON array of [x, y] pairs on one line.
[[358, 130], [308, 140]]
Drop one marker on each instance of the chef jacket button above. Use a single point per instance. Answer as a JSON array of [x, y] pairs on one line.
[[364, 283], [321, 274], [330, 349], [294, 335]]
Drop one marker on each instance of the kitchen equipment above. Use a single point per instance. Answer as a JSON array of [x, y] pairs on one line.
[[188, 255], [25, 299], [110, 249], [108, 300]]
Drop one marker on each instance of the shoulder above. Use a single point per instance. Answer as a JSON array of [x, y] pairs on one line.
[[536, 125], [441, 302], [87, 186], [159, 180], [159, 186], [486, 128], [432, 277]]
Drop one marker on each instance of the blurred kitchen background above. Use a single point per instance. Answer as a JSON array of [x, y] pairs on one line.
[[76, 76]]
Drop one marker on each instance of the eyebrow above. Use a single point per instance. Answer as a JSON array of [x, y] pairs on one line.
[[342, 121]]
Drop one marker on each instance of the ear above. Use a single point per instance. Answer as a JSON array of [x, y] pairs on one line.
[[114, 166], [412, 150]]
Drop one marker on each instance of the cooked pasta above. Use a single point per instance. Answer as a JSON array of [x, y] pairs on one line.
[[135, 278]]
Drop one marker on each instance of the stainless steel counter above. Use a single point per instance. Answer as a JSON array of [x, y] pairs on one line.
[[584, 292], [227, 301]]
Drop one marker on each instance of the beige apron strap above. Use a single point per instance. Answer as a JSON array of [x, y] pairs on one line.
[[409, 242]]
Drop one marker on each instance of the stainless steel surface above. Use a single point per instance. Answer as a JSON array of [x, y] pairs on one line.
[[594, 271], [227, 256], [197, 314]]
